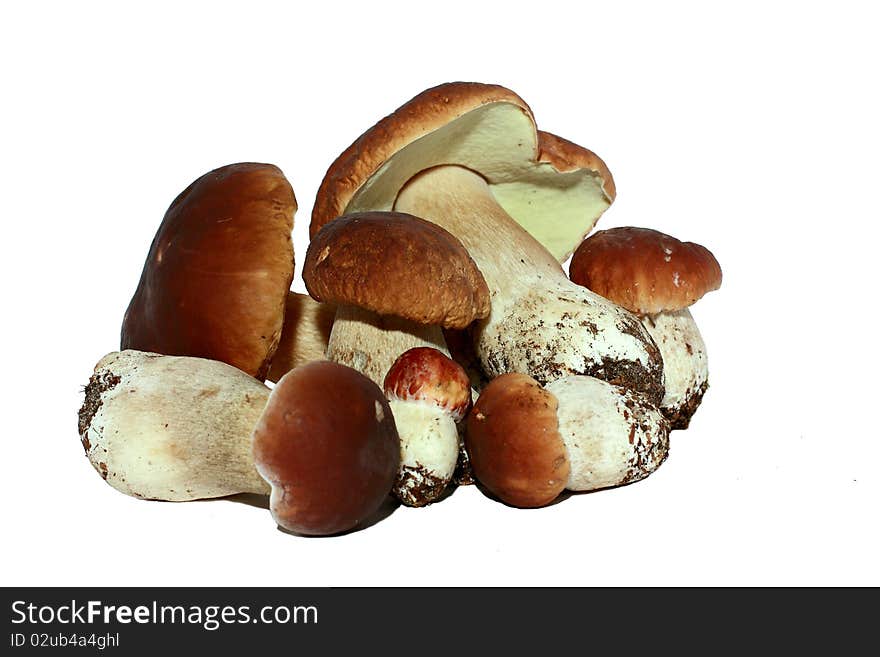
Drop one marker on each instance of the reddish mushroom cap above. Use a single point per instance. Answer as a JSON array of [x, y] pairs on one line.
[[644, 270], [514, 444], [328, 446], [426, 374]]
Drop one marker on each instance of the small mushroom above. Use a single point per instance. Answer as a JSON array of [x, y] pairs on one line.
[[396, 280], [216, 278], [328, 446], [429, 393], [468, 157], [657, 277], [514, 444], [528, 443]]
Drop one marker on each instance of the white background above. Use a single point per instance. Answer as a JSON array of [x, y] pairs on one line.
[[751, 130]]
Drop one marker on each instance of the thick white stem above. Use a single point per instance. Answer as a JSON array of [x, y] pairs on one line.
[[612, 436], [541, 323], [684, 364], [172, 428], [370, 343]]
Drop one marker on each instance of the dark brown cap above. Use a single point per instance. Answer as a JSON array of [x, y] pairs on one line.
[[488, 129], [396, 264], [514, 444], [328, 446], [644, 270], [217, 275]]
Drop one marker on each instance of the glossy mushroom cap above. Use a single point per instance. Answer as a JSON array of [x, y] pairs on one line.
[[644, 270], [392, 263], [514, 443], [328, 446], [217, 275], [553, 188]]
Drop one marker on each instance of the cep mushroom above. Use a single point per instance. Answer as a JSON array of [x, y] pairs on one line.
[[397, 280], [468, 157], [328, 445], [172, 428], [528, 443], [429, 394], [216, 278], [657, 277]]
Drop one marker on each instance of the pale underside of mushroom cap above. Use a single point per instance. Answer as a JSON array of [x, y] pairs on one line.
[[555, 189]]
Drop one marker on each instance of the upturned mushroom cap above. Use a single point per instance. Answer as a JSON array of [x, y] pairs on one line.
[[328, 445], [218, 271], [644, 270], [514, 443], [555, 189], [393, 263]]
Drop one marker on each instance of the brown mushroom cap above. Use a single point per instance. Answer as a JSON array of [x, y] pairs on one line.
[[555, 189], [396, 264], [218, 271], [514, 444], [328, 446], [644, 270]]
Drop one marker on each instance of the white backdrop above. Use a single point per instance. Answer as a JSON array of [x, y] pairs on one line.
[[752, 130]]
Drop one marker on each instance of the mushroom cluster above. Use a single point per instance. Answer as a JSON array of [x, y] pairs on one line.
[[441, 343]]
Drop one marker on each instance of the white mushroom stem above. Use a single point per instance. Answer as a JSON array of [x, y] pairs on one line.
[[541, 323], [613, 436], [370, 343], [684, 363], [172, 428], [428, 450], [304, 337]]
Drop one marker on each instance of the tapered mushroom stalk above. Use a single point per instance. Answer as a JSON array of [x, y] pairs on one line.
[[541, 323], [469, 158], [657, 277], [171, 427]]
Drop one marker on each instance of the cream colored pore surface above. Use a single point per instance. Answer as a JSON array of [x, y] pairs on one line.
[[499, 141]]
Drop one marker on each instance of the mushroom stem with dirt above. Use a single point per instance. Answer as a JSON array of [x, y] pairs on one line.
[[429, 394], [172, 428], [657, 277], [541, 324], [469, 158]]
